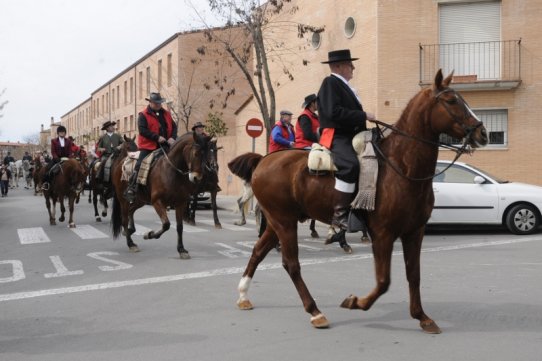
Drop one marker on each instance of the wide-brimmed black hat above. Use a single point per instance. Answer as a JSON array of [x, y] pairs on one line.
[[108, 124], [198, 125], [60, 128], [308, 99], [155, 98], [339, 55]]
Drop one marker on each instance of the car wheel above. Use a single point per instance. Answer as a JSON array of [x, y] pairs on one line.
[[522, 219]]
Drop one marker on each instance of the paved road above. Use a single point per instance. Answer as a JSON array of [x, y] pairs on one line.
[[70, 294]]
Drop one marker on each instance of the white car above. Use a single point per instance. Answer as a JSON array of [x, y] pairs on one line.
[[466, 195]]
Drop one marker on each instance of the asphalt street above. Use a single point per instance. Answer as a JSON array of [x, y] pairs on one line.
[[77, 294]]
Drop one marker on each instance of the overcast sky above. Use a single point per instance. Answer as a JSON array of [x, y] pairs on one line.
[[55, 53]]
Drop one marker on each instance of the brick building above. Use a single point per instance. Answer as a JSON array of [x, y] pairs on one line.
[[492, 45]]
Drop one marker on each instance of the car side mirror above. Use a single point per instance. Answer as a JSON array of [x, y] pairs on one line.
[[479, 180]]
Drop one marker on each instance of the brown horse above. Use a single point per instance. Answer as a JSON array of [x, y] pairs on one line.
[[287, 193], [97, 190], [37, 174], [68, 183], [209, 183], [170, 183]]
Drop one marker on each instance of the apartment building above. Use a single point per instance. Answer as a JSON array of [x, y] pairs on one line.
[[492, 47], [190, 72]]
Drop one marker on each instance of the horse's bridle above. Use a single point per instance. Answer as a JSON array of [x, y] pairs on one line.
[[174, 166], [464, 148]]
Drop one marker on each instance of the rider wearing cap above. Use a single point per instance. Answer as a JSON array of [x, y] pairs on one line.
[[61, 147], [283, 134], [156, 129]]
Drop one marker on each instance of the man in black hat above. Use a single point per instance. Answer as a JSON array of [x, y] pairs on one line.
[[341, 117], [308, 124], [61, 147], [9, 159], [106, 146], [199, 128], [156, 129]]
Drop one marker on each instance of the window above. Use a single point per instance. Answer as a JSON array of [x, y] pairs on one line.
[[113, 99], [470, 34], [140, 84], [131, 89], [125, 128], [169, 68], [316, 40], [349, 27], [148, 80], [132, 125], [159, 74], [496, 123], [118, 96], [125, 92]]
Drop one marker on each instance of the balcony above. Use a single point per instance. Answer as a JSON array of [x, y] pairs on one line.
[[490, 65]]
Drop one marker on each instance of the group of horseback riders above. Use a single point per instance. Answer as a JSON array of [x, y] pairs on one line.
[[156, 130]]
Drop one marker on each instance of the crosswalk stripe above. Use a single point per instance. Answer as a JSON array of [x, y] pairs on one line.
[[186, 227], [229, 227], [32, 235], [141, 230], [86, 231]]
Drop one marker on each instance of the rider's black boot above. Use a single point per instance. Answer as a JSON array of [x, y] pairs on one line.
[[131, 190], [341, 208]]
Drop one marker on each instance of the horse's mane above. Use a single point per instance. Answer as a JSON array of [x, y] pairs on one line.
[[243, 166], [411, 103]]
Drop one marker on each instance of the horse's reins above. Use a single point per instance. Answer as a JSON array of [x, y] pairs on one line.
[[172, 164], [465, 148]]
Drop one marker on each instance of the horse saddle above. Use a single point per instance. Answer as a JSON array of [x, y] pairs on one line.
[[320, 160]]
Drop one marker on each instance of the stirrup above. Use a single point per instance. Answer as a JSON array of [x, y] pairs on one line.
[[45, 186], [129, 195]]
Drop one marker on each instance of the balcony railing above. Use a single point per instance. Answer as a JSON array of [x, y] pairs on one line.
[[476, 66]]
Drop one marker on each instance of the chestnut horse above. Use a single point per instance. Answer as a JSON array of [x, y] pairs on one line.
[[170, 183], [68, 183], [287, 193], [96, 186]]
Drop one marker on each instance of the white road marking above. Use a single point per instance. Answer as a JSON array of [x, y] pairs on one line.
[[232, 252], [17, 268], [32, 235], [141, 230], [86, 231], [236, 270], [186, 228], [61, 270], [100, 256], [229, 227]]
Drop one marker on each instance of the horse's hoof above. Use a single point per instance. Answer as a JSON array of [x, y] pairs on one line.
[[429, 326], [134, 249], [350, 302], [104, 214], [61, 219], [240, 223], [320, 321], [347, 249], [71, 225], [184, 255], [365, 240], [244, 305], [52, 223], [218, 226], [315, 234], [98, 219], [148, 235]]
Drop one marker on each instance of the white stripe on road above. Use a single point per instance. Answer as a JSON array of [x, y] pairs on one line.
[[32, 235], [236, 270], [186, 227], [141, 230], [229, 227], [86, 231]]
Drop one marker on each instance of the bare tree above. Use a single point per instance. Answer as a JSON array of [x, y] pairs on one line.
[[260, 20], [33, 142]]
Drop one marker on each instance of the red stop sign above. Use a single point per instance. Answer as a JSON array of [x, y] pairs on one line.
[[254, 127]]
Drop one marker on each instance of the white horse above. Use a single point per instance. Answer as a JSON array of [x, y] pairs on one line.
[[15, 169], [27, 173]]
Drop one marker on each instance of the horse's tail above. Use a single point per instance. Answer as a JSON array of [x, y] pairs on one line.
[[243, 166], [116, 217]]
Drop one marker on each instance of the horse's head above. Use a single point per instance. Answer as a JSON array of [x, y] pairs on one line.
[[196, 155], [452, 115], [129, 144], [211, 162]]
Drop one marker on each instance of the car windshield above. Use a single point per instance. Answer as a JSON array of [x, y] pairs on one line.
[[496, 179], [461, 174]]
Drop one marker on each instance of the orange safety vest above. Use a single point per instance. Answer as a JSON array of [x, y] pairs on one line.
[[300, 140], [154, 126]]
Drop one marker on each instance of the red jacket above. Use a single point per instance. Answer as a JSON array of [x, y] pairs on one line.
[[58, 152], [274, 145], [154, 126], [300, 140]]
